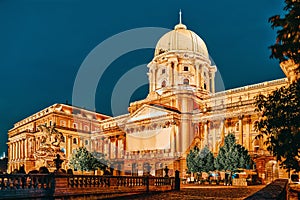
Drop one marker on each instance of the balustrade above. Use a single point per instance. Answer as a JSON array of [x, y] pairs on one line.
[[25, 181], [47, 185]]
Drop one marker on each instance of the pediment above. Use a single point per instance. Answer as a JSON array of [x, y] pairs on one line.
[[148, 112]]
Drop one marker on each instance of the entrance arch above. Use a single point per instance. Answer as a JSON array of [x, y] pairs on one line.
[[271, 170]]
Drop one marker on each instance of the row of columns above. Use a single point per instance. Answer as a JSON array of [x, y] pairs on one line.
[[18, 149], [173, 76], [114, 147], [213, 128]]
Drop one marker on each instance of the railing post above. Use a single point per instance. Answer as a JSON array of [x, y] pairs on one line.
[[147, 183], [177, 180]]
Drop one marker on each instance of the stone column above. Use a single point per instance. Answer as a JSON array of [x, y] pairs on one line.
[[80, 142], [151, 79], [21, 149], [154, 79], [172, 139], [170, 74], [175, 73], [26, 147], [222, 129], [17, 150], [11, 156], [177, 147], [214, 145], [241, 129], [186, 135], [206, 133], [69, 146], [117, 147], [213, 82], [248, 133], [197, 75]]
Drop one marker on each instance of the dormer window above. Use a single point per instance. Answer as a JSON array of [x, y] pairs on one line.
[[186, 69]]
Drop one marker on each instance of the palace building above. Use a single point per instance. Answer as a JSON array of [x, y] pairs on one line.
[[181, 110]]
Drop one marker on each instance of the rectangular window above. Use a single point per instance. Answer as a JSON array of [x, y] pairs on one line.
[[185, 69], [163, 71]]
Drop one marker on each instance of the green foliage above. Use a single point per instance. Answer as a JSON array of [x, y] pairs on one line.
[[83, 160], [200, 160], [280, 122], [232, 156], [288, 36]]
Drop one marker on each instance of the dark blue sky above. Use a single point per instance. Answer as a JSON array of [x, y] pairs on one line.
[[44, 42]]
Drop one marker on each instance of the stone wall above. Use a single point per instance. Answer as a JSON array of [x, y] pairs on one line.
[[278, 190]]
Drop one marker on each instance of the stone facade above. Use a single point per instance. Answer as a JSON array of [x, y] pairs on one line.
[[181, 110]]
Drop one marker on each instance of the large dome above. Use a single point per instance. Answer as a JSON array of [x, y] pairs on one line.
[[181, 39]]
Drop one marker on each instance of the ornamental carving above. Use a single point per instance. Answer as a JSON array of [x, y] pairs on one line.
[[51, 140]]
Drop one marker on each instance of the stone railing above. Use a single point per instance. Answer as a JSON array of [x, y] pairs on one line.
[[79, 186], [16, 185]]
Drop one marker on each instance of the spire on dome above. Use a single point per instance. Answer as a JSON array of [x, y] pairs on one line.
[[180, 17], [180, 25]]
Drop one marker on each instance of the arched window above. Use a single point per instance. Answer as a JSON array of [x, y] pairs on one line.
[[256, 145], [74, 141], [163, 84], [75, 125], [86, 128], [186, 81]]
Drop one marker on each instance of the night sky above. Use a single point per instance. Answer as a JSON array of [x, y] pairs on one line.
[[44, 42]]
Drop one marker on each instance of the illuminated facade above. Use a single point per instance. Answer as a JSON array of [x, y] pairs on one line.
[[181, 110]]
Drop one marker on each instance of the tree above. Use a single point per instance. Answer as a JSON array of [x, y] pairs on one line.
[[280, 122], [288, 37], [200, 160], [232, 156], [83, 160], [279, 110], [101, 162]]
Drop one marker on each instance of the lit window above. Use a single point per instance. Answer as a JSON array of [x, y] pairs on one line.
[[237, 126], [62, 123], [186, 81], [86, 128], [185, 69]]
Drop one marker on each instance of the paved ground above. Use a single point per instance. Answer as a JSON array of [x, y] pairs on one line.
[[200, 192], [189, 192]]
